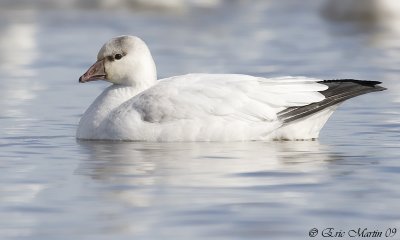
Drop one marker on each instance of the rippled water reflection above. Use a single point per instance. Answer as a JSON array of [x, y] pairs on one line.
[[55, 187]]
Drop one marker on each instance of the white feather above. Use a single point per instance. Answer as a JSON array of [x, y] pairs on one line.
[[198, 107]]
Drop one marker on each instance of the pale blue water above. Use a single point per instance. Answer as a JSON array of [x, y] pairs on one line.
[[55, 187]]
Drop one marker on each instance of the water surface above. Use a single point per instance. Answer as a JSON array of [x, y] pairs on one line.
[[55, 187]]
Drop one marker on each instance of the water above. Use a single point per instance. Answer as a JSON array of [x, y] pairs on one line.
[[55, 187]]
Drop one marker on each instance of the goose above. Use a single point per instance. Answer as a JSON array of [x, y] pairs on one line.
[[204, 107], [369, 11]]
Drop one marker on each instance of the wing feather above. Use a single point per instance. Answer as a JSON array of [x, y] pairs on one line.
[[240, 97]]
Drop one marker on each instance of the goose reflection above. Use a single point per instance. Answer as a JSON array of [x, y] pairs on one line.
[[139, 173]]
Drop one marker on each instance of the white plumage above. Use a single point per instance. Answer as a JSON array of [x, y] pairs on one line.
[[193, 107]]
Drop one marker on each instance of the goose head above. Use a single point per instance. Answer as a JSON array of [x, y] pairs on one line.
[[124, 60]]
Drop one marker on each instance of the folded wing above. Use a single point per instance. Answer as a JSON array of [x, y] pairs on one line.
[[337, 92], [232, 97]]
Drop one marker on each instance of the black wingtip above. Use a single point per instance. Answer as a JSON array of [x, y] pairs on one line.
[[338, 91], [371, 86], [361, 82]]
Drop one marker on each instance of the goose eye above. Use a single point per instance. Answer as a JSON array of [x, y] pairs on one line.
[[118, 56]]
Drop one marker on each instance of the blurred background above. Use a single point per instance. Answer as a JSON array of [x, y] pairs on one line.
[[54, 187]]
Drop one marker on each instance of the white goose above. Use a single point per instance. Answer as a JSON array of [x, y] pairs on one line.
[[204, 107]]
